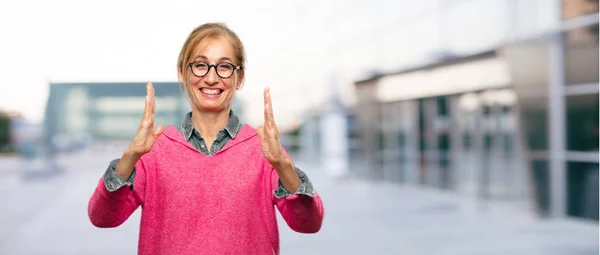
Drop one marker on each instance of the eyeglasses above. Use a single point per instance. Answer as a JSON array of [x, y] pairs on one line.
[[224, 70]]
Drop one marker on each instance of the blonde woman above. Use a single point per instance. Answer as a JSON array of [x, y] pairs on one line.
[[211, 184]]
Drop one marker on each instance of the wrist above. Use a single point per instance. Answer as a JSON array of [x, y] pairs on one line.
[[129, 154], [282, 164], [287, 175], [127, 164]]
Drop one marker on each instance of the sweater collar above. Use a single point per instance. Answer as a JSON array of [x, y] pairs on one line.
[[245, 132], [232, 128]]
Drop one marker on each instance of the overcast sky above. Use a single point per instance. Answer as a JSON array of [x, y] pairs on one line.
[[293, 47]]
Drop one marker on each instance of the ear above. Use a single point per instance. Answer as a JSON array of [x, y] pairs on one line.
[[180, 71], [240, 81]]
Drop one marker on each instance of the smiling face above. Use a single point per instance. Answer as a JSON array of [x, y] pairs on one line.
[[212, 93]]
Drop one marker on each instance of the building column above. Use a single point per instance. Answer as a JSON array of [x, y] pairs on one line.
[[334, 154], [456, 150], [410, 112], [556, 125]]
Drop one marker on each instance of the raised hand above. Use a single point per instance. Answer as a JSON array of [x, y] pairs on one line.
[[146, 135], [269, 135], [271, 147]]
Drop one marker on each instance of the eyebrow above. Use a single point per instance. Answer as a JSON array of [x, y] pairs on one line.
[[205, 58]]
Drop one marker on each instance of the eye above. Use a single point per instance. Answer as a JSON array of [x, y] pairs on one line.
[[225, 66], [200, 65]]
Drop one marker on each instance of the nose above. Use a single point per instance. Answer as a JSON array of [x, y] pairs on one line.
[[211, 77]]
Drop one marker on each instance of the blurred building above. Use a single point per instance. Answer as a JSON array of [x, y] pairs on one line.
[[449, 125], [329, 136], [515, 122], [110, 111], [556, 80], [5, 131]]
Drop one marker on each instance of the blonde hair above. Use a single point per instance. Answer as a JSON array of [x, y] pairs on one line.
[[209, 31]]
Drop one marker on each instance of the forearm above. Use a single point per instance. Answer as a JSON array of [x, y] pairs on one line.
[[288, 176], [112, 203], [126, 164], [302, 210], [303, 214], [110, 209]]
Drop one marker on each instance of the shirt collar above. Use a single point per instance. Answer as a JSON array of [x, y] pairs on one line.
[[232, 128]]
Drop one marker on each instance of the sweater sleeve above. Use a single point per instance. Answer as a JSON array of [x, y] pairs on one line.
[[302, 213], [113, 181], [108, 209], [305, 187]]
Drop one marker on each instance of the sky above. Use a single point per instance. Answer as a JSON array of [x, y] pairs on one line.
[[293, 47], [104, 41]]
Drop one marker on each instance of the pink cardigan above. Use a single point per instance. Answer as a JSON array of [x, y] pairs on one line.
[[197, 204]]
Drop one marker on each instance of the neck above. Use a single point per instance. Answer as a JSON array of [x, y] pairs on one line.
[[209, 123]]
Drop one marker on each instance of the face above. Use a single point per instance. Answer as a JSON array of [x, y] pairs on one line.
[[211, 93]]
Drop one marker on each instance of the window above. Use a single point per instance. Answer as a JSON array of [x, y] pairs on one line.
[[534, 118], [582, 122], [582, 190], [422, 142], [467, 141], [442, 106], [581, 56], [541, 182], [444, 142], [509, 143], [488, 142], [76, 111]]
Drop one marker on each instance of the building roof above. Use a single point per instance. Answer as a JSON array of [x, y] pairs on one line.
[[452, 60], [9, 114]]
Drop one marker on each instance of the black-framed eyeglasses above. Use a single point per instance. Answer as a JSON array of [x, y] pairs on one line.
[[224, 69]]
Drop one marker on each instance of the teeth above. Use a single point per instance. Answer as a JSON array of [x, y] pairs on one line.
[[211, 91]]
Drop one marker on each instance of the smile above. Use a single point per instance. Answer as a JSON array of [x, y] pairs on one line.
[[211, 91]]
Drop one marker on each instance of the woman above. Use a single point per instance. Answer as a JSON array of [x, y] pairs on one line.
[[210, 185]]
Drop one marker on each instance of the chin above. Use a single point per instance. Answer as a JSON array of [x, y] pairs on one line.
[[203, 106], [210, 109]]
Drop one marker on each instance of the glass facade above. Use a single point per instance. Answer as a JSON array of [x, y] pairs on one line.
[[525, 131], [468, 143], [582, 189], [5, 132], [581, 119], [582, 122], [556, 80], [108, 111], [532, 141]]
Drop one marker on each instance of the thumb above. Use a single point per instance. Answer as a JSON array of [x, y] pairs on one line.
[[158, 130], [260, 130]]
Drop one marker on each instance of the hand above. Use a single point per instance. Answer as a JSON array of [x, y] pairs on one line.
[[269, 135], [271, 147], [146, 135]]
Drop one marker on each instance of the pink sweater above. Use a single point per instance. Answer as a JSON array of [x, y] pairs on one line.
[[197, 204]]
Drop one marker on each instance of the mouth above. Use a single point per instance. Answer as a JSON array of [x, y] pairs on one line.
[[211, 91]]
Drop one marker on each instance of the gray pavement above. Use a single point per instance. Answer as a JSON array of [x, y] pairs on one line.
[[49, 216]]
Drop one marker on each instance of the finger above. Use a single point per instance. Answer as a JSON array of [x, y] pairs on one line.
[[269, 109], [152, 98], [147, 106], [260, 130], [158, 130], [266, 111]]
